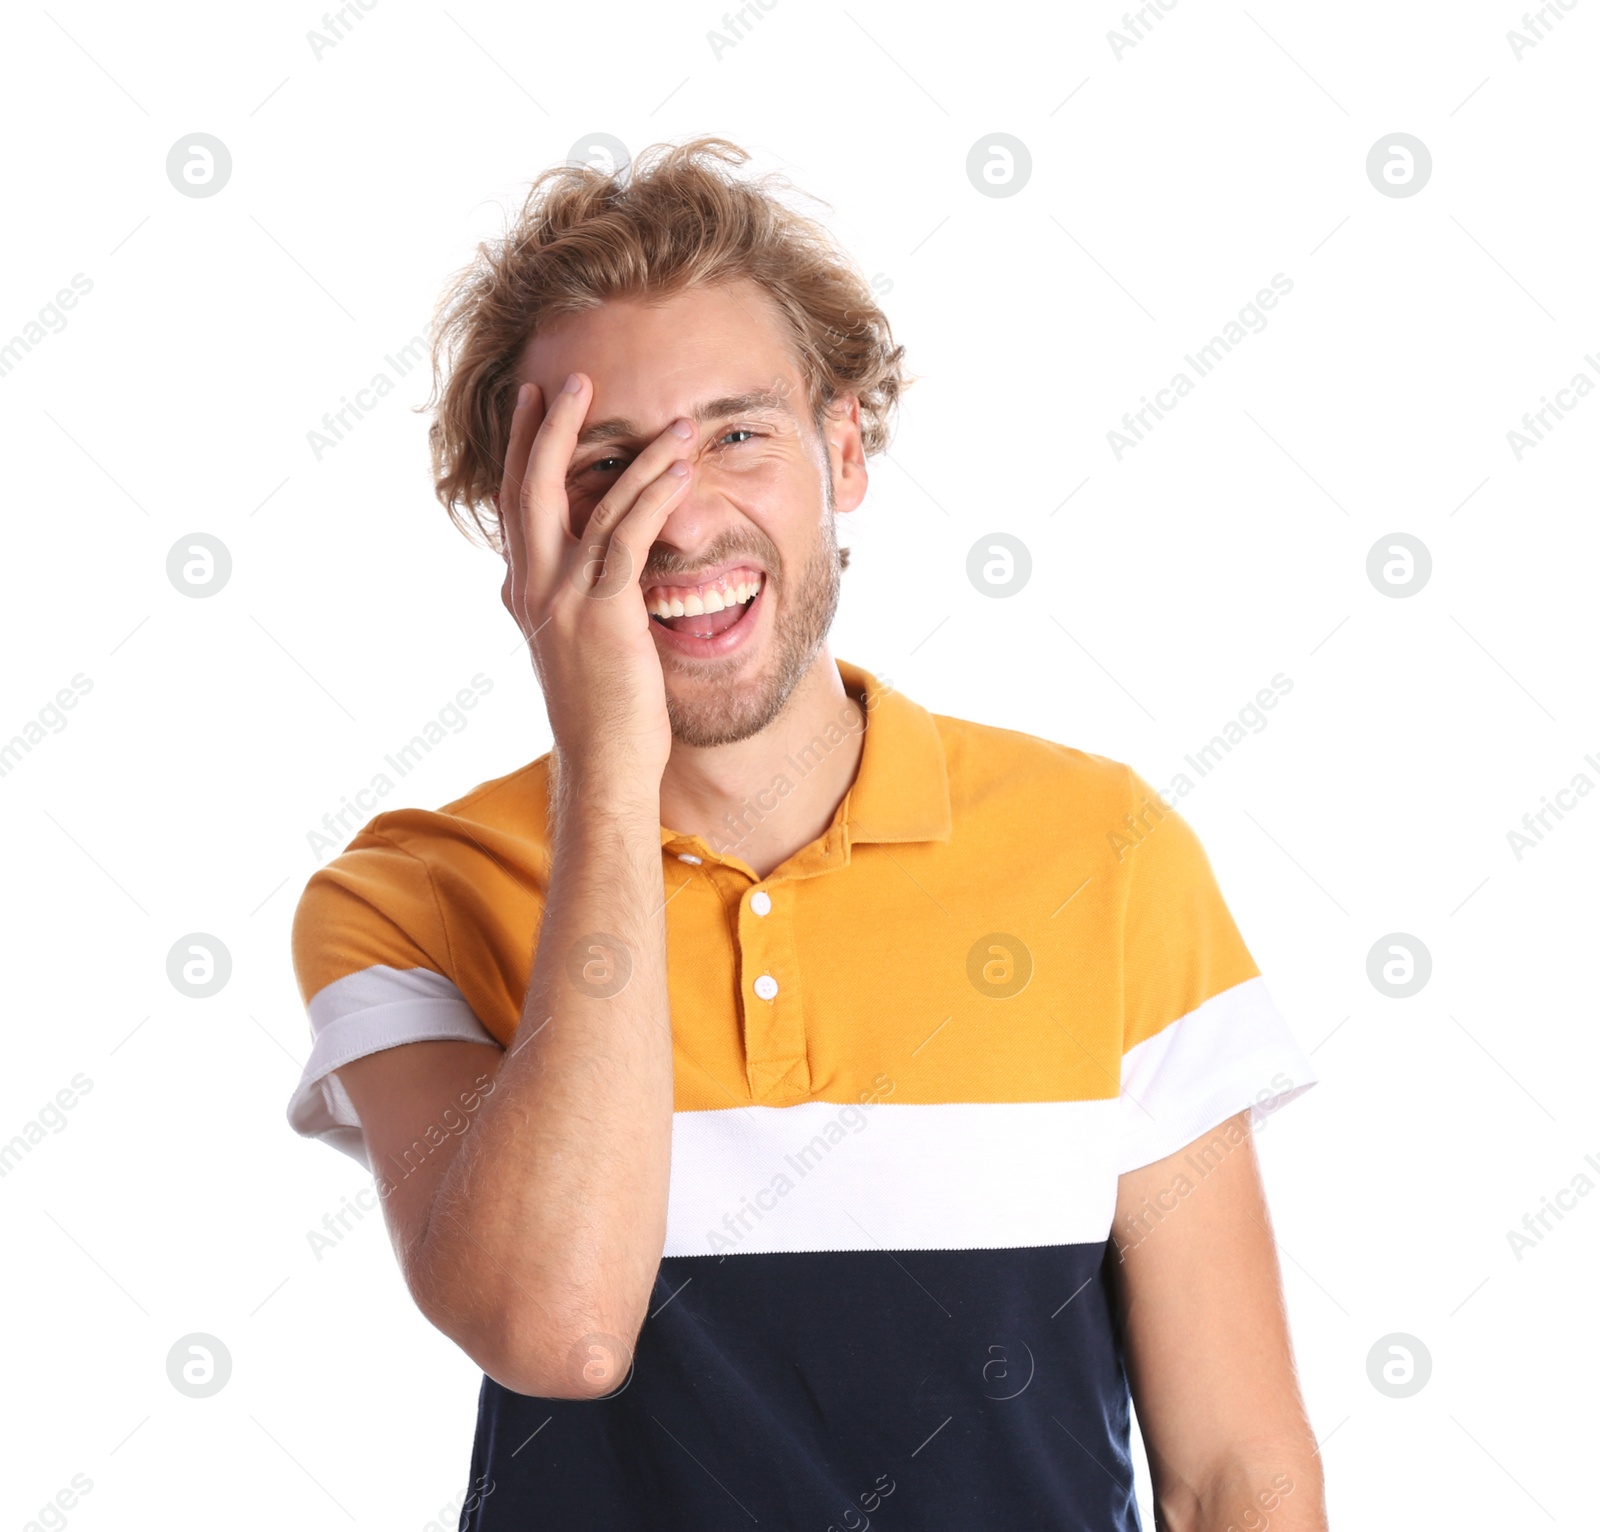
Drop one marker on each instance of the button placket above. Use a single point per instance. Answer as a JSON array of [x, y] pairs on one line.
[[774, 1026]]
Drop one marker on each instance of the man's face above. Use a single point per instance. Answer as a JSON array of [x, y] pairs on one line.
[[751, 542]]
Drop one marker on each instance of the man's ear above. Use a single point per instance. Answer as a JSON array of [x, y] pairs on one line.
[[847, 461]]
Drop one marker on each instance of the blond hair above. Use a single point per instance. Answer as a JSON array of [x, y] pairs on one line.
[[670, 220]]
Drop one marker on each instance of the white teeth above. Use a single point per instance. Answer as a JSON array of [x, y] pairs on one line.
[[696, 603]]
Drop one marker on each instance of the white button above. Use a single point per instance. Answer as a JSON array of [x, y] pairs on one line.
[[767, 987], [683, 856], [761, 902]]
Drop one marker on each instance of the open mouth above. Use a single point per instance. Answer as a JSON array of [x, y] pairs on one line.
[[705, 611]]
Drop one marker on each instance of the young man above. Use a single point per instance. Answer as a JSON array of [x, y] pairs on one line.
[[803, 1107]]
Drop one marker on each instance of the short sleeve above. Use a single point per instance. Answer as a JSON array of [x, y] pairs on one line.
[[1202, 1038], [372, 961]]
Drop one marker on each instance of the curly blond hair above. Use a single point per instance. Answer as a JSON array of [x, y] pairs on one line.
[[670, 220]]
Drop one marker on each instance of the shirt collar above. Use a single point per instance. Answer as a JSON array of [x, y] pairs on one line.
[[901, 790]]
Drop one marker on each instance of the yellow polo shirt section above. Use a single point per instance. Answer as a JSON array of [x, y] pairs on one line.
[[989, 917]]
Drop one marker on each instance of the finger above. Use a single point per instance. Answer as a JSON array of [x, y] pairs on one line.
[[525, 419], [628, 546], [544, 485], [619, 499]]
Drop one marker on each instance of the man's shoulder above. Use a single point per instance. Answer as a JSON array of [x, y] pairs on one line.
[[986, 762], [514, 804], [504, 818]]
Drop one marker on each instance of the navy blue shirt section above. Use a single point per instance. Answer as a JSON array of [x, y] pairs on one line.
[[915, 1389]]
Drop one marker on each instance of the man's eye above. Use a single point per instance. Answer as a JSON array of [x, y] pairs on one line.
[[605, 464]]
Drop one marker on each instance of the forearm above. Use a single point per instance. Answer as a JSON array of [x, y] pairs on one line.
[[1210, 1363], [1261, 1488], [547, 1229]]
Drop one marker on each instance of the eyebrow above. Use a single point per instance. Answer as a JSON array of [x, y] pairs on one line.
[[623, 430]]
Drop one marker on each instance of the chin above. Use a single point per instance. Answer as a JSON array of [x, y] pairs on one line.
[[707, 710]]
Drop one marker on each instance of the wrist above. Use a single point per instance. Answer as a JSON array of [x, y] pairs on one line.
[[605, 791]]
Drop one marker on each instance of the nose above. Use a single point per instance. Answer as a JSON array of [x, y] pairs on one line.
[[700, 518]]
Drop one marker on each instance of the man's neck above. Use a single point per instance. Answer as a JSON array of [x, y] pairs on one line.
[[764, 798]]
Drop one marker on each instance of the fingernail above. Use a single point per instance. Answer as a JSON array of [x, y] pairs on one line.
[[683, 427], [573, 384], [523, 394], [678, 468]]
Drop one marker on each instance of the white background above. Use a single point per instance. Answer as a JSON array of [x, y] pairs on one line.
[[1168, 185]]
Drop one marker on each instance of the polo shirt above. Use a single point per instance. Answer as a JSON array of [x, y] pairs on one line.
[[909, 1065]]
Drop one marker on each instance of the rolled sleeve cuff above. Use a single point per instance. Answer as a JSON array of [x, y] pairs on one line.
[[364, 1013]]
